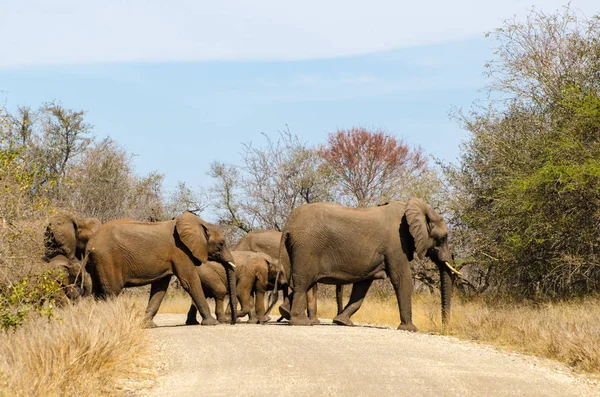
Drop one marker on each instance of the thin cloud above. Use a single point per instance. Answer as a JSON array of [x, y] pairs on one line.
[[42, 32]]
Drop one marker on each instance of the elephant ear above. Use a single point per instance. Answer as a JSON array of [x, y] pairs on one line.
[[194, 234], [416, 217], [61, 236]]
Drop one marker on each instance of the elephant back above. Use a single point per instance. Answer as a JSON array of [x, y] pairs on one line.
[[266, 241]]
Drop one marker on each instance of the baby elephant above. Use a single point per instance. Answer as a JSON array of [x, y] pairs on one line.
[[255, 274], [68, 273]]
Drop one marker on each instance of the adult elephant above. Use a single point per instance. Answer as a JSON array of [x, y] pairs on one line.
[[126, 253], [67, 234], [330, 243], [265, 241], [256, 272]]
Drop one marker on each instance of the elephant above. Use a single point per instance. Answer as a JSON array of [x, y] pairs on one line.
[[127, 253], [267, 241], [69, 275], [67, 234], [256, 272], [330, 243]]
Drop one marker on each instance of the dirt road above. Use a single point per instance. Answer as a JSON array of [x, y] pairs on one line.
[[328, 360]]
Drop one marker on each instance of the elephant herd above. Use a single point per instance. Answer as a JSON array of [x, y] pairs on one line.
[[320, 243]]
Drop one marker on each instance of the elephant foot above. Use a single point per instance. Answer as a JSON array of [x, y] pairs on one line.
[[224, 319], [342, 320], [300, 321], [284, 310], [407, 327], [209, 321], [314, 321], [264, 319], [150, 324], [191, 321]]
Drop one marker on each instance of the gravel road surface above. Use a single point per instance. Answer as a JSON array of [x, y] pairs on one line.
[[329, 360]]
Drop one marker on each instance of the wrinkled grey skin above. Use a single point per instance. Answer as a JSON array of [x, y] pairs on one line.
[[255, 273], [126, 253], [329, 243], [65, 240]]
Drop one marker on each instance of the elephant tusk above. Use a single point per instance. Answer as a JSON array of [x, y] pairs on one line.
[[232, 265], [453, 270]]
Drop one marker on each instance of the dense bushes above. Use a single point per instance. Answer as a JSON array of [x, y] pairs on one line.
[[527, 190]]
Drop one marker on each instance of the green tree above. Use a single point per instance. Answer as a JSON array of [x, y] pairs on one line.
[[526, 195]]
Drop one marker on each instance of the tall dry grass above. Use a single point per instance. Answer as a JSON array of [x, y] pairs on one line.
[[568, 331], [89, 349]]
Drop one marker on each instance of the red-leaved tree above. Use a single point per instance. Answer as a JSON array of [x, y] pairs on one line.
[[371, 166]]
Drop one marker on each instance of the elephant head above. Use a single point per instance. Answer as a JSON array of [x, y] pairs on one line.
[[68, 234], [206, 243], [72, 278], [430, 239]]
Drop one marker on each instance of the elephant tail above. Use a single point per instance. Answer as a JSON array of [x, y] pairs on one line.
[[284, 258]]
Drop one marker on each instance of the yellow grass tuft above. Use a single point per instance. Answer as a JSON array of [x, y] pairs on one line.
[[91, 348], [563, 331]]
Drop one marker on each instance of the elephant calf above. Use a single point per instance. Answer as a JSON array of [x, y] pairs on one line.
[[68, 278], [255, 275]]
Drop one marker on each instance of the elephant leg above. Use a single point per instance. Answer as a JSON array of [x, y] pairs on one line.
[[190, 281], [401, 279], [191, 316], [359, 290], [312, 304], [285, 307], [248, 307], [299, 302], [157, 293], [244, 294], [259, 304], [222, 317], [339, 293]]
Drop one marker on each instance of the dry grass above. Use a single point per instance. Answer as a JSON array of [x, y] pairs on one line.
[[91, 348], [568, 332]]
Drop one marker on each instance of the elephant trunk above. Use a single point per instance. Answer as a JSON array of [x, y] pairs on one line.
[[446, 282], [231, 280]]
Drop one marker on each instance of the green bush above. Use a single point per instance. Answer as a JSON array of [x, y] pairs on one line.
[[37, 294], [527, 191]]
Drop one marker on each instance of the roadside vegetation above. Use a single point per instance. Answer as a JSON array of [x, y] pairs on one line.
[[522, 205], [88, 349]]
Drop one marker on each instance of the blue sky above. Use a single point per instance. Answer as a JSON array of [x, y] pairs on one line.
[[186, 84]]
